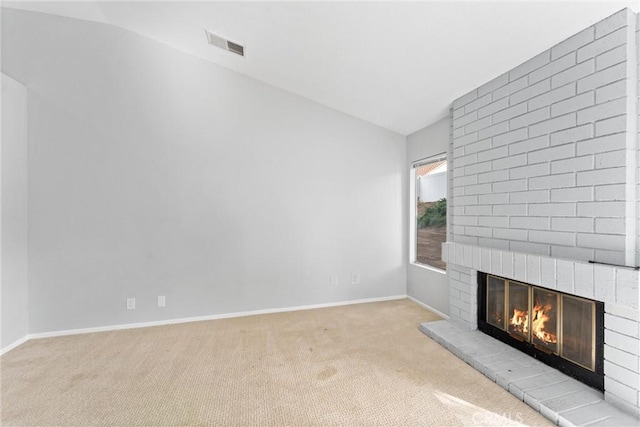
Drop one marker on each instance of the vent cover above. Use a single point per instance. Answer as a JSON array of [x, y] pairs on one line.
[[224, 43]]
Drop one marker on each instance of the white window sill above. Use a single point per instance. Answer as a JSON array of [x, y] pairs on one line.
[[428, 267]]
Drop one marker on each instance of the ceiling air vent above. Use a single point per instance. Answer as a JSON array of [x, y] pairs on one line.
[[223, 43]]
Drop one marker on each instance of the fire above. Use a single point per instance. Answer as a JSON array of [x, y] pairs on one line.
[[540, 317], [520, 320], [520, 323]]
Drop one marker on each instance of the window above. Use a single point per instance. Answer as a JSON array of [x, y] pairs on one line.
[[429, 206]]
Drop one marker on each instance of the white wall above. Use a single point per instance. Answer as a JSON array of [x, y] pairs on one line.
[[426, 285], [142, 165], [638, 139], [14, 289]]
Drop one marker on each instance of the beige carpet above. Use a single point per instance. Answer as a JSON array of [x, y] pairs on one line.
[[363, 365]]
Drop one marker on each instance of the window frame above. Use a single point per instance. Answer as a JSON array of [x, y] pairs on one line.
[[413, 198]]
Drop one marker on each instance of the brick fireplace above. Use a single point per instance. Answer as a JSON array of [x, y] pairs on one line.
[[563, 330], [544, 187]]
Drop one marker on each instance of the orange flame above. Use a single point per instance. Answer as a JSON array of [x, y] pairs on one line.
[[520, 320], [520, 323], [540, 317]]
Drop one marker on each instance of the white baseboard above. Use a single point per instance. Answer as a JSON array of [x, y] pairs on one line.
[[428, 307], [200, 318], [13, 345]]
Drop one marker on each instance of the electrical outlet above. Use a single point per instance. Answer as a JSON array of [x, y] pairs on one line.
[[131, 303], [355, 279], [333, 280], [162, 301]]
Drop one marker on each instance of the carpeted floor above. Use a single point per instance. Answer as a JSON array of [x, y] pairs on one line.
[[365, 365]]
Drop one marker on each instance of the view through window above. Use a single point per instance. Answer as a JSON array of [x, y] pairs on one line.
[[431, 211]]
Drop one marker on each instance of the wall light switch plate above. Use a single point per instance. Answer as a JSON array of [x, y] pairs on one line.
[[355, 279], [131, 303], [162, 301]]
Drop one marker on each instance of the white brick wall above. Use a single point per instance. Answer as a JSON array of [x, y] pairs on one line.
[[612, 285], [540, 140], [541, 184], [622, 356], [462, 284]]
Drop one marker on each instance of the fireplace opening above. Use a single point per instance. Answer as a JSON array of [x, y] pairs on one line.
[[562, 330]]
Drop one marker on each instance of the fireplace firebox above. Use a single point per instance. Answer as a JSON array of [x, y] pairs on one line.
[[563, 331]]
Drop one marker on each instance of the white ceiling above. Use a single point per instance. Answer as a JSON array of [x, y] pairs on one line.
[[396, 64]]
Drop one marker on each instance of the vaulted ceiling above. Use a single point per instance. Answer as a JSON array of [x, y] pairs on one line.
[[396, 64]]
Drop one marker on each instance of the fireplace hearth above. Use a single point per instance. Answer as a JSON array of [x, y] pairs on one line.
[[561, 330]]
